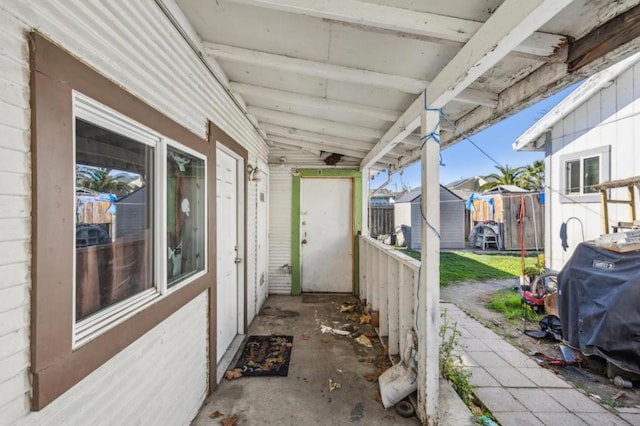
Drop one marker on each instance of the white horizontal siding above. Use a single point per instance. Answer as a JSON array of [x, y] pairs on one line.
[[159, 379], [252, 255], [133, 44], [279, 229], [610, 117]]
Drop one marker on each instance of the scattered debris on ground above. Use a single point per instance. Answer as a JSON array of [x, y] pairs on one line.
[[326, 329], [334, 385], [348, 307], [236, 373], [215, 414], [472, 297], [365, 319], [364, 341], [229, 421]]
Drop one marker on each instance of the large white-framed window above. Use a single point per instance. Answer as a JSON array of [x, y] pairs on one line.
[[582, 171], [140, 217]]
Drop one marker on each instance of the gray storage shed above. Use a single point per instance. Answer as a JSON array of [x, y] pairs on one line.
[[452, 214]]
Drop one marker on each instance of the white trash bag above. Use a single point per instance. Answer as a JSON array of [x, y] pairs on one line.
[[400, 380]]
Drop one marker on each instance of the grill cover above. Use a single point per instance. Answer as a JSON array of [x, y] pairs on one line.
[[599, 302]]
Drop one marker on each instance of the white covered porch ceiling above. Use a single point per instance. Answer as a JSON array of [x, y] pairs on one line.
[[349, 76]]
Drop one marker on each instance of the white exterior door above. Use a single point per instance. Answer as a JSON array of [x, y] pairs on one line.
[[228, 248], [326, 232]]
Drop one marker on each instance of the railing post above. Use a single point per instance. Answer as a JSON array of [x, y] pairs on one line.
[[375, 293], [393, 303], [383, 327]]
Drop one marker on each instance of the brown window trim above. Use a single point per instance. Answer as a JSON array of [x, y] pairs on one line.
[[55, 366]]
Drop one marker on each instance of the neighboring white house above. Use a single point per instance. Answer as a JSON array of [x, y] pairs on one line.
[[452, 219], [591, 137]]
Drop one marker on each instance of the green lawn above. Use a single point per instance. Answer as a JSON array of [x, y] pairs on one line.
[[509, 303], [468, 266]]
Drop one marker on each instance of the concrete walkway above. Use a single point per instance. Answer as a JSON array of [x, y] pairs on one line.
[[517, 390]]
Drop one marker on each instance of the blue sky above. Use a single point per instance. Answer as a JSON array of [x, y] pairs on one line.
[[464, 160]]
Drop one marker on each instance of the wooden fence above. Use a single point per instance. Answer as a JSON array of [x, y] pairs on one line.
[[381, 221], [506, 210]]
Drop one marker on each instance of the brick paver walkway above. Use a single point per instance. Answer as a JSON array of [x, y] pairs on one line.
[[520, 392]]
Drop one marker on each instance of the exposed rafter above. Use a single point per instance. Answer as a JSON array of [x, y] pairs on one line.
[[282, 98], [607, 37], [404, 21], [509, 25], [334, 149], [316, 138], [316, 125], [337, 72]]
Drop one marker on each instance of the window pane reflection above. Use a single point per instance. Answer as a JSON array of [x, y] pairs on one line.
[[185, 215], [114, 201], [591, 174]]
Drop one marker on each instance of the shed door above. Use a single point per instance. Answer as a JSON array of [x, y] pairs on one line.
[[326, 232], [228, 282]]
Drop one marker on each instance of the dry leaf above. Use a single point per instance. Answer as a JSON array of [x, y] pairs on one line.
[[306, 336], [365, 319], [370, 334], [233, 374], [229, 421], [215, 414], [364, 341], [371, 377]]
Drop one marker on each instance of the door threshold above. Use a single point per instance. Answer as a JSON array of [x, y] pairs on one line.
[[229, 356]]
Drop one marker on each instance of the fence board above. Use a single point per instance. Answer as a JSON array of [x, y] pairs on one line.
[[381, 221]]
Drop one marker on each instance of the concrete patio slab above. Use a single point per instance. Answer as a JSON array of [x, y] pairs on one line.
[[303, 397]]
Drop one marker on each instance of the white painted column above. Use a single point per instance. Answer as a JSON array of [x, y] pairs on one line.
[[365, 201], [429, 285]]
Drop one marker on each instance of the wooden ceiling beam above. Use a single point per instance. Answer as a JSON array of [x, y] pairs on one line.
[[312, 137], [337, 72], [280, 99], [437, 27], [327, 148], [602, 40], [509, 25], [316, 125]]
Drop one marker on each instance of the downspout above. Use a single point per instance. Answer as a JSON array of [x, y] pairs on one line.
[[387, 182]]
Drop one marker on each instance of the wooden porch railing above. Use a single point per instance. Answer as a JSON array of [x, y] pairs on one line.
[[388, 281]]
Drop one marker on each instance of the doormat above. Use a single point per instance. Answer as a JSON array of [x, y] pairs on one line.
[[266, 356]]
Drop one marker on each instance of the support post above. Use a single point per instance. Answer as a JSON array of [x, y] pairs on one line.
[[429, 283], [365, 201]]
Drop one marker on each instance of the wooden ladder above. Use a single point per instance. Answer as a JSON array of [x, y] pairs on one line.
[[630, 184]]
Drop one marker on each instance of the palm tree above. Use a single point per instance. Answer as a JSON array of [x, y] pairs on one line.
[[100, 179], [508, 176], [534, 175]]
